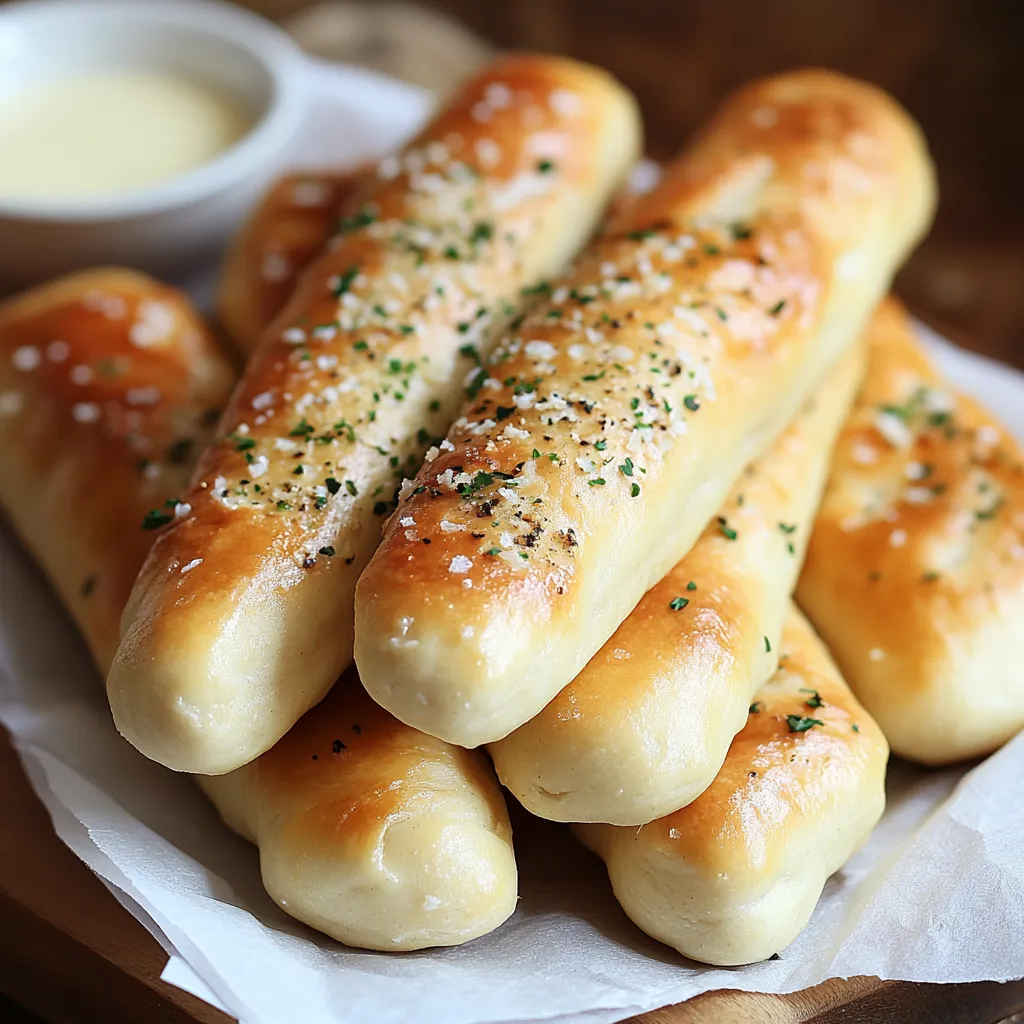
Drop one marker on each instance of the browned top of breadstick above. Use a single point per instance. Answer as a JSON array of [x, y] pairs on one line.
[[110, 384], [288, 228], [347, 387], [915, 571], [587, 457], [807, 743]]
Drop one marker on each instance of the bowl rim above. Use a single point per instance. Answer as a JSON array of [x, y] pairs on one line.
[[286, 66]]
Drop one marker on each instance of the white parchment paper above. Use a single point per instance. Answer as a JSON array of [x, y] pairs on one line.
[[936, 895]]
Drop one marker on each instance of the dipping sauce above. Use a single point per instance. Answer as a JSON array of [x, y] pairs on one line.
[[100, 133]]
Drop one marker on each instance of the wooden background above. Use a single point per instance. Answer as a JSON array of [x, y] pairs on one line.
[[958, 65]]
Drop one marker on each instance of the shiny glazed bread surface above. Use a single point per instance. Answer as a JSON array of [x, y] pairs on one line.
[[364, 367], [734, 876], [368, 831], [110, 386], [915, 570], [289, 227], [645, 727], [372, 832], [607, 428]]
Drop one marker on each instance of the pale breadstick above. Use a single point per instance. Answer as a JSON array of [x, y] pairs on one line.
[[288, 228], [733, 877], [110, 386], [915, 570], [645, 727], [363, 367], [609, 427], [373, 832], [387, 838]]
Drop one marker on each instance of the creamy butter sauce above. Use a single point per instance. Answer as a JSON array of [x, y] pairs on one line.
[[100, 133]]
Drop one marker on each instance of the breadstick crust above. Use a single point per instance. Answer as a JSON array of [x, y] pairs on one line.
[[110, 385], [370, 832], [646, 726], [610, 425], [363, 368], [373, 833], [915, 570], [288, 228], [734, 876]]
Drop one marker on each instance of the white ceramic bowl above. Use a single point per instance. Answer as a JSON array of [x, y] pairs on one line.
[[168, 226]]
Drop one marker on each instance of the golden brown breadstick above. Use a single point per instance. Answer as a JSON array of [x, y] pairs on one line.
[[110, 385], [733, 877], [607, 429], [915, 570], [361, 370], [372, 832], [289, 227], [645, 727]]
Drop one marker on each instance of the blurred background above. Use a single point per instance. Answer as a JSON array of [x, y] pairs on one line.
[[958, 65]]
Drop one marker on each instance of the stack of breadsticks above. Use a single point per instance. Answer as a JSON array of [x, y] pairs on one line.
[[506, 494]]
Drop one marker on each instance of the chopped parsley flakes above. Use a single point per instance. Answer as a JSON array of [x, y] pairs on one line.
[[797, 723], [155, 518]]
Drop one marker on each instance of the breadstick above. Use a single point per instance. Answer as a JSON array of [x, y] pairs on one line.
[[373, 832], [386, 837], [915, 570], [645, 727], [733, 877], [289, 227], [110, 385], [607, 429], [361, 370]]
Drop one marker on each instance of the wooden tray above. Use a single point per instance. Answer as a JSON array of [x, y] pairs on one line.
[[71, 954]]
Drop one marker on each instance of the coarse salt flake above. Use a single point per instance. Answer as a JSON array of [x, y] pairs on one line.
[[142, 396], [58, 351], [26, 357], [275, 267], [11, 403], [310, 193], [498, 95], [460, 564], [488, 152], [155, 324], [864, 455], [893, 429], [389, 168], [564, 103], [85, 412]]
